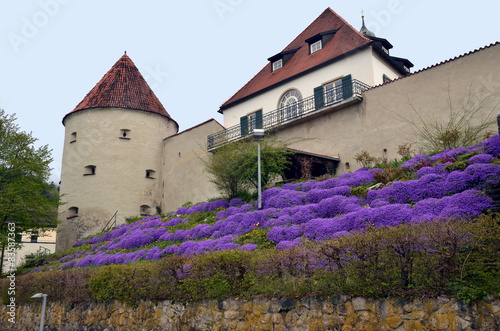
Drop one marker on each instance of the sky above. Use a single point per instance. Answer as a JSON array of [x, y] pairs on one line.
[[195, 54]]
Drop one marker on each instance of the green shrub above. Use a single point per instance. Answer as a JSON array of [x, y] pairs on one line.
[[391, 174], [466, 157], [359, 191], [258, 237], [133, 219], [218, 275], [34, 260], [459, 165], [126, 283], [365, 159], [70, 286]]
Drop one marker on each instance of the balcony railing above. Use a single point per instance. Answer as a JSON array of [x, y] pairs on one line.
[[321, 100]]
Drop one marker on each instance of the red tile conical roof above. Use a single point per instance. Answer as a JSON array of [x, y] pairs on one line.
[[123, 86]]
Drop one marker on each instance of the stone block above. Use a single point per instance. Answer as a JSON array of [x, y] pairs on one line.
[[359, 303]]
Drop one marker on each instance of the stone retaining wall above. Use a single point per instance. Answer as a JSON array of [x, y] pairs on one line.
[[333, 313]]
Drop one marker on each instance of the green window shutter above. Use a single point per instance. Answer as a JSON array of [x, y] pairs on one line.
[[244, 125], [347, 86], [319, 100], [258, 120]]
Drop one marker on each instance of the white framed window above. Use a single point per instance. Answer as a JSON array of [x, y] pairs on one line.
[[316, 46], [252, 120], [290, 104], [333, 91], [278, 64]]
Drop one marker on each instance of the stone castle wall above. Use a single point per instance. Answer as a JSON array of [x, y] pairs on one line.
[[332, 313]]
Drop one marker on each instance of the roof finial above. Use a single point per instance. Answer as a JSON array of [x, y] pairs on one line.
[[125, 52], [364, 30]]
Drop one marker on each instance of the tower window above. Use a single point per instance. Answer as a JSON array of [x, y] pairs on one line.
[[150, 174], [89, 170], [145, 210], [125, 134], [72, 212], [72, 138]]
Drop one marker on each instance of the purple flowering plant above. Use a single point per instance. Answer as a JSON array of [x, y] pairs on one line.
[[307, 211]]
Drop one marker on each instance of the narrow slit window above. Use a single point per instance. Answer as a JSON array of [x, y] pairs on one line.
[[72, 137], [150, 174], [72, 212], [125, 134], [145, 210], [89, 170]]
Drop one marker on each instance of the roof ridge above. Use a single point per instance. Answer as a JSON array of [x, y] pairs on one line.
[[193, 127]]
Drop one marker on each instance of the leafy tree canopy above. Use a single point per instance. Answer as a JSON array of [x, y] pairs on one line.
[[26, 197], [233, 167]]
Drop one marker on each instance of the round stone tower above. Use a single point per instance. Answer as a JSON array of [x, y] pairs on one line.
[[112, 154]]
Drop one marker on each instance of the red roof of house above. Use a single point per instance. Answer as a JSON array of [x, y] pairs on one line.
[[123, 86], [346, 39]]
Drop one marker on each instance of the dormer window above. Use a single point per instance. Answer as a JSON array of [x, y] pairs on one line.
[[316, 46], [277, 64], [317, 42], [280, 59]]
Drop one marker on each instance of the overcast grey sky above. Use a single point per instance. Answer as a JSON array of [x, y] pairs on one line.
[[195, 54]]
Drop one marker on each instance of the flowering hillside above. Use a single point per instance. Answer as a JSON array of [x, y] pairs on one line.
[[449, 184]]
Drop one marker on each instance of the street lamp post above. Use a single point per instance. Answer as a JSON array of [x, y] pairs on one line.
[[44, 302], [258, 134]]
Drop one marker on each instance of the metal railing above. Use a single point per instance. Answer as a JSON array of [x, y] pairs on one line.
[[111, 223], [315, 103]]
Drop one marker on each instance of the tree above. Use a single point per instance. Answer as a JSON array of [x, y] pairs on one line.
[[233, 167], [27, 201]]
